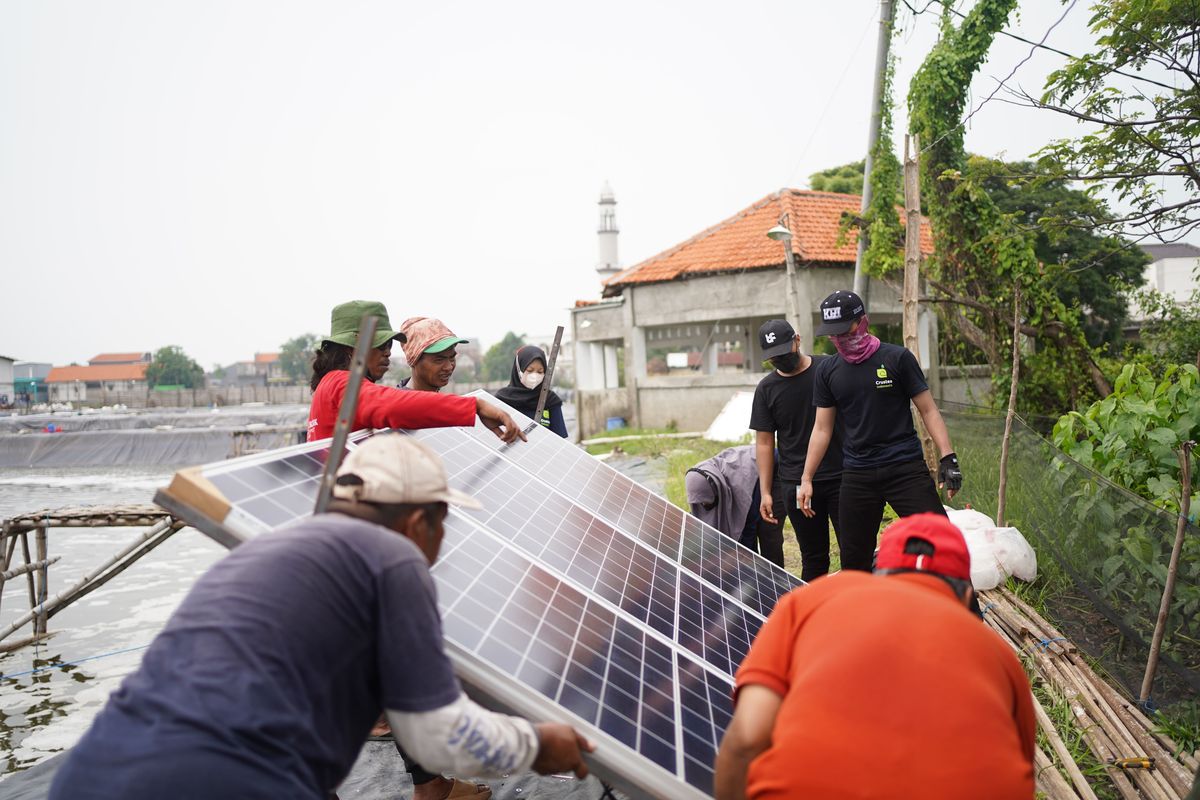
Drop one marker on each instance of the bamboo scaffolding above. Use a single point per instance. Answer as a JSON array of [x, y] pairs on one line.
[[42, 606], [21, 570], [1110, 726]]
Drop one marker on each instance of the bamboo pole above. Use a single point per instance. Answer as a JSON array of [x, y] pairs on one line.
[[43, 578], [1012, 407], [1064, 755], [1164, 608], [52, 603], [21, 570], [28, 577]]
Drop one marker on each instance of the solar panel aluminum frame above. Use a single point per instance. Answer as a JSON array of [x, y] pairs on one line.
[[617, 763], [634, 776]]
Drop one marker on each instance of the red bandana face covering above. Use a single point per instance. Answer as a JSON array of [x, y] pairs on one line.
[[856, 347]]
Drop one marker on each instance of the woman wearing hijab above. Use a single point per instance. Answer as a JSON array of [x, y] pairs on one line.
[[525, 386]]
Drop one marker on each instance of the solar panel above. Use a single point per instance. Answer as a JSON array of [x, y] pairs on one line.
[[573, 588]]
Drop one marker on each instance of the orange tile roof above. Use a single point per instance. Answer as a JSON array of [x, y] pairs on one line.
[[265, 358], [118, 358], [585, 303], [741, 242], [100, 372]]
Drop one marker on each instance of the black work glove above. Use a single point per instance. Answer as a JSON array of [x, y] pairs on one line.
[[949, 475]]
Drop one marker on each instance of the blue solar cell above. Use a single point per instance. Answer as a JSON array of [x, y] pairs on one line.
[[573, 582]]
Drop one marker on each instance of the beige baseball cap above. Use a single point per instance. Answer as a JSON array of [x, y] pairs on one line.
[[395, 468]]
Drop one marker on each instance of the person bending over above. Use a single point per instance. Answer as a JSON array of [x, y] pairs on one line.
[[266, 680], [882, 686]]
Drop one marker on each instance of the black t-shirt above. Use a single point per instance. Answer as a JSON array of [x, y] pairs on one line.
[[872, 402], [267, 678], [784, 406]]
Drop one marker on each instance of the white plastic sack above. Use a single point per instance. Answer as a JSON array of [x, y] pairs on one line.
[[969, 519], [997, 553]]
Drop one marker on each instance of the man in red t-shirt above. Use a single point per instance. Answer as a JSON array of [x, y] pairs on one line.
[[882, 686]]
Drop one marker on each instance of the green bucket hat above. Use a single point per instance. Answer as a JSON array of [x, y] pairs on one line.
[[344, 321]]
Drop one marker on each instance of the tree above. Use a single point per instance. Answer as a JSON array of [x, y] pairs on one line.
[[981, 253], [1146, 141], [498, 360], [1096, 270], [1170, 333], [173, 367], [296, 355], [846, 179]]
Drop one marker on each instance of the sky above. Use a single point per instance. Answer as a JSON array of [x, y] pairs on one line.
[[217, 175]]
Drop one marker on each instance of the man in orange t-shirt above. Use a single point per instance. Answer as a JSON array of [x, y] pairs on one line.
[[882, 686]]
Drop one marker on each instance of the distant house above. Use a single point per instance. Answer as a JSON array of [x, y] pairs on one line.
[[1172, 271], [673, 337], [29, 381], [113, 359], [270, 367], [265, 368], [7, 389], [74, 383]]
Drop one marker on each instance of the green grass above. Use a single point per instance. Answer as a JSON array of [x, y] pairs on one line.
[[1059, 710], [1181, 723]]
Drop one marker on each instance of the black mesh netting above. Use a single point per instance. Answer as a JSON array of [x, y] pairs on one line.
[[1110, 547]]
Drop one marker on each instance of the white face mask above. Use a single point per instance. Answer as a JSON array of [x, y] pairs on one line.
[[532, 380]]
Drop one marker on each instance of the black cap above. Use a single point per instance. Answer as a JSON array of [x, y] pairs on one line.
[[839, 311], [775, 338]]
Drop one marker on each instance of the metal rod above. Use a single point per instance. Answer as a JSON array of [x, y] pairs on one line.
[[541, 403], [347, 410]]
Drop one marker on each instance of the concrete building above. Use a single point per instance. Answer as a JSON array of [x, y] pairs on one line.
[[699, 305], [29, 382], [8, 391], [76, 384], [1173, 270]]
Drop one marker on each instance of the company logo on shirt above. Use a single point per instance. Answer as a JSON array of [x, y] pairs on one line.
[[882, 381]]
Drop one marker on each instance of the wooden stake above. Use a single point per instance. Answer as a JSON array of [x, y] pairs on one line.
[[1164, 608], [912, 278], [1012, 407]]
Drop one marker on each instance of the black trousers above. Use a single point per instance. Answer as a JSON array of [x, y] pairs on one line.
[[761, 536], [812, 534], [418, 773], [905, 486]]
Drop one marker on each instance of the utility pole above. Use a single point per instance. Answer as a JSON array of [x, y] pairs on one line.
[[881, 64]]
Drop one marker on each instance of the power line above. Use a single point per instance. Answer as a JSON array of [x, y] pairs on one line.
[[829, 101], [1039, 45]]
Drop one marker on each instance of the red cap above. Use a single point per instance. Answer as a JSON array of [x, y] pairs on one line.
[[949, 558]]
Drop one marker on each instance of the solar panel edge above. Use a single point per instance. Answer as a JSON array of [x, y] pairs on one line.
[[612, 760]]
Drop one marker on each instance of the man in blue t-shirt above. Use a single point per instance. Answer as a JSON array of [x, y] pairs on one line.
[[267, 679], [867, 387]]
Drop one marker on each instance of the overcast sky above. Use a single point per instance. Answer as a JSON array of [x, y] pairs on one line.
[[218, 175]]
